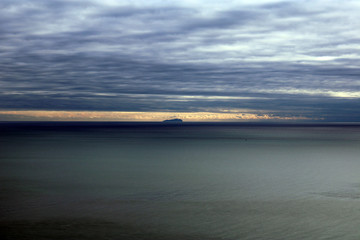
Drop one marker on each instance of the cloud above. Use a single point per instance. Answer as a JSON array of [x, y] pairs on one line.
[[272, 56]]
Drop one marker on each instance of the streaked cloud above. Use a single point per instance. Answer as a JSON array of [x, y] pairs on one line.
[[288, 58]]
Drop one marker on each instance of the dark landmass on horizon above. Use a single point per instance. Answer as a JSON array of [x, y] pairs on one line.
[[175, 120]]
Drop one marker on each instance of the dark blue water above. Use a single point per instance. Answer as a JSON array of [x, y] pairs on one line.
[[188, 181]]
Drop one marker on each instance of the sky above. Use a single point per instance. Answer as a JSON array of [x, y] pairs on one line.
[[193, 59]]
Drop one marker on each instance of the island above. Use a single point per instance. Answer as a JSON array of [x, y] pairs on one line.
[[175, 120]]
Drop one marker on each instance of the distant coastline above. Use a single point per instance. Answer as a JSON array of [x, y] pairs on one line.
[[175, 120]]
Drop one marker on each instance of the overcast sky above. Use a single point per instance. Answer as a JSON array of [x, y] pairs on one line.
[[286, 59]]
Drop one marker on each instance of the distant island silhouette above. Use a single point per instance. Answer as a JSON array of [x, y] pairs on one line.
[[175, 120]]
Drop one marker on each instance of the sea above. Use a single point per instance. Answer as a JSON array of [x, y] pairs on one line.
[[230, 181]]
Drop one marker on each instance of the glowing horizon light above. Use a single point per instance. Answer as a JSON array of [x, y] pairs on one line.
[[139, 116]]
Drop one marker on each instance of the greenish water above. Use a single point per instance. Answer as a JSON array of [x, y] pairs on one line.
[[179, 182]]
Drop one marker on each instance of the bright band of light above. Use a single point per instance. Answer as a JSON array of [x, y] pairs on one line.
[[138, 116]]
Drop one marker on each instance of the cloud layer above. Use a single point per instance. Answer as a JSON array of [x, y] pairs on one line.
[[289, 58]]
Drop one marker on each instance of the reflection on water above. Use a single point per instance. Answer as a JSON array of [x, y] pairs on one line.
[[188, 182]]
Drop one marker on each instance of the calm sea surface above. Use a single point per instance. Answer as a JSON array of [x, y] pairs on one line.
[[155, 181]]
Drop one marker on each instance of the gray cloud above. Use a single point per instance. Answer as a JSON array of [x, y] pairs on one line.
[[297, 58]]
